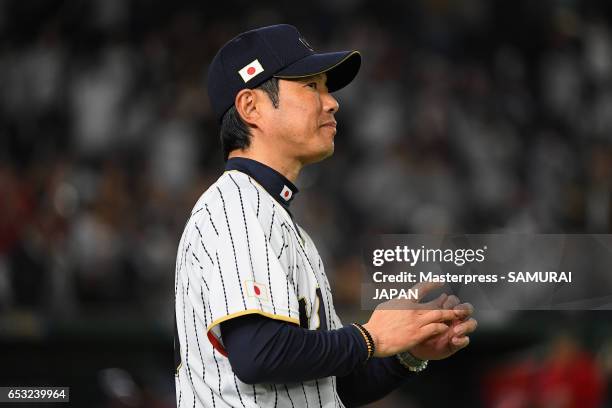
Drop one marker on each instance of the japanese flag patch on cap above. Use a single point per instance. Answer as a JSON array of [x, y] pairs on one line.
[[278, 51], [250, 71]]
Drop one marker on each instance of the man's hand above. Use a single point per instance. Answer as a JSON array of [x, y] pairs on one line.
[[453, 339], [400, 325]]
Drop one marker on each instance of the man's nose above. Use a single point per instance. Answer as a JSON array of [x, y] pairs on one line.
[[330, 104]]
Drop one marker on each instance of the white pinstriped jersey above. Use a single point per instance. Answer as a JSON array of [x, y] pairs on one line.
[[240, 253]]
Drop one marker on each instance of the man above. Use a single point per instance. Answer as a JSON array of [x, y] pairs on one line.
[[256, 325]]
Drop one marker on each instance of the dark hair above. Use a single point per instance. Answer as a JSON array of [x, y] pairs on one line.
[[235, 134]]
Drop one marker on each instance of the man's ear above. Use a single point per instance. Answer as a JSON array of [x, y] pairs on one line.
[[246, 103]]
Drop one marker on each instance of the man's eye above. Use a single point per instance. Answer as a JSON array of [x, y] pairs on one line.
[[313, 85]]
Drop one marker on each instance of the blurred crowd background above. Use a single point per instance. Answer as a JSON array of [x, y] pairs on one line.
[[471, 116]]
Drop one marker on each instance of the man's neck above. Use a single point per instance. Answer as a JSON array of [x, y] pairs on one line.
[[288, 168]]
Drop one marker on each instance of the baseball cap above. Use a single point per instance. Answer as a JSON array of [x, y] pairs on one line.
[[255, 56]]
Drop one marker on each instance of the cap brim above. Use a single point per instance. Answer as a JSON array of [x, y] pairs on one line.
[[341, 68]]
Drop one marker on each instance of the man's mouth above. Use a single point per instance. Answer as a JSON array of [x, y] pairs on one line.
[[331, 123]]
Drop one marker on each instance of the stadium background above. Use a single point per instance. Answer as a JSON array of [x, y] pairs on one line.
[[469, 116]]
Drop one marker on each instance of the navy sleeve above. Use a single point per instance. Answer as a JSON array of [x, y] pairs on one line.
[[372, 381], [263, 350]]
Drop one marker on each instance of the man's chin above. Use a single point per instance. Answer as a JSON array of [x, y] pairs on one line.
[[321, 156]]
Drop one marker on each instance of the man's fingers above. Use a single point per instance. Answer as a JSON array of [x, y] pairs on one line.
[[430, 330], [424, 288], [435, 316], [464, 310], [460, 342], [451, 302], [466, 327], [437, 303]]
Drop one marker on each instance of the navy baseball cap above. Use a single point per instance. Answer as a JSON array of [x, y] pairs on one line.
[[280, 51]]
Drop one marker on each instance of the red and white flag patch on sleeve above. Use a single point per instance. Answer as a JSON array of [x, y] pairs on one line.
[[256, 289], [250, 71]]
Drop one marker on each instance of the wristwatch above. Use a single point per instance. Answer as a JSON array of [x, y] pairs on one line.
[[416, 365]]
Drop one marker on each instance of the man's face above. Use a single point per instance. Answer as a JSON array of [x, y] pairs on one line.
[[303, 125]]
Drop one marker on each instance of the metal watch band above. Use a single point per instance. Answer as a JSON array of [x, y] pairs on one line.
[[412, 363]]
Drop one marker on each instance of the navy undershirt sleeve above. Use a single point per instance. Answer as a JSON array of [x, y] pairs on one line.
[[372, 381], [263, 350]]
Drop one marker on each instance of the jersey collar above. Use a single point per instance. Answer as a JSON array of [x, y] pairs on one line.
[[275, 183]]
